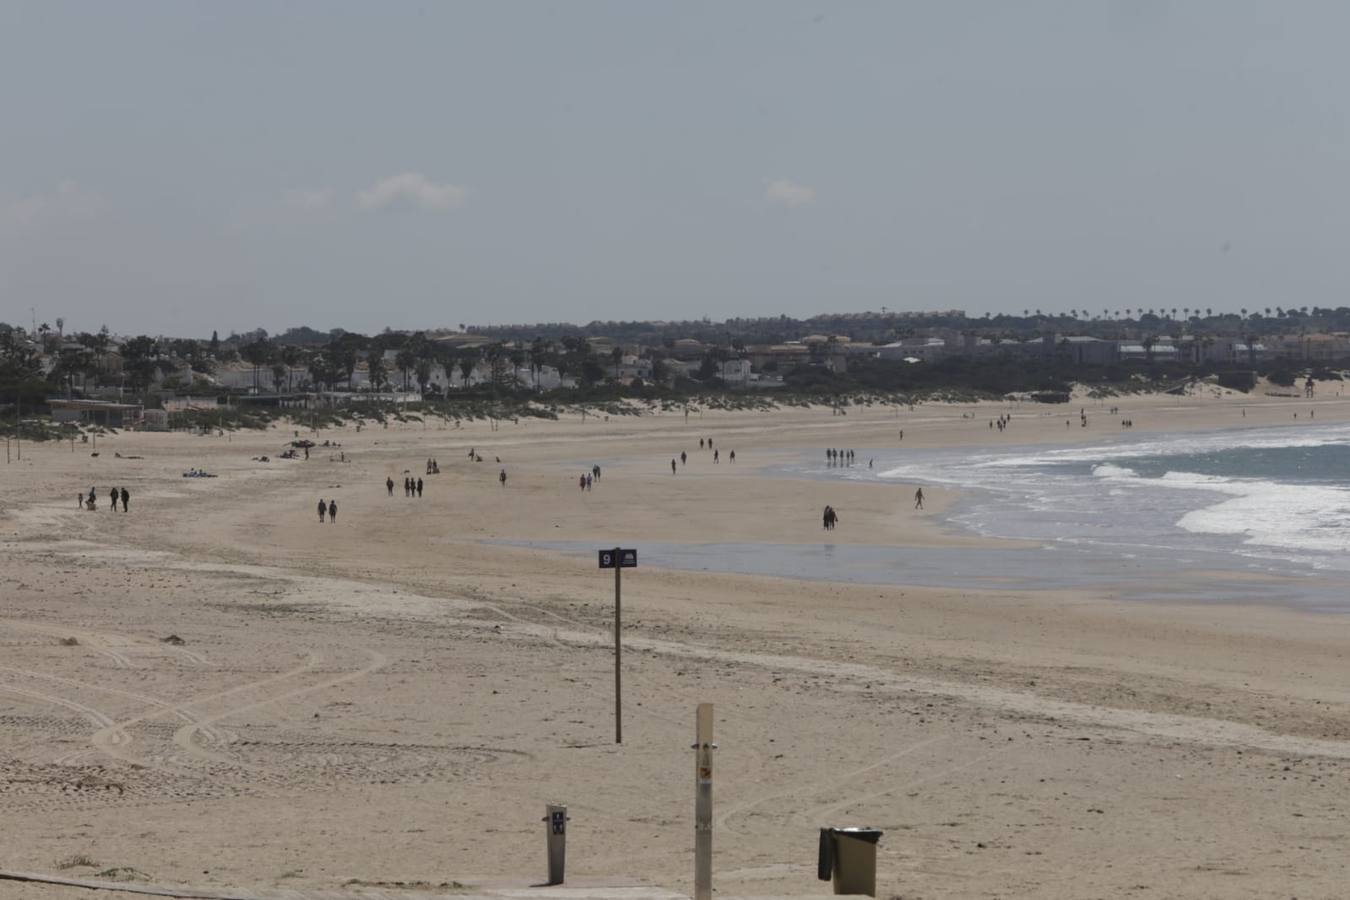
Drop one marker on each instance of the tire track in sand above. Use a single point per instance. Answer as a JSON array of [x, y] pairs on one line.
[[185, 736]]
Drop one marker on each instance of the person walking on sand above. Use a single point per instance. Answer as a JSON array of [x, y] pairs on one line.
[[732, 455], [419, 487], [716, 453], [672, 466], [332, 512], [126, 497], [113, 494], [682, 457], [92, 501], [323, 508], [918, 499], [389, 485], [502, 477]]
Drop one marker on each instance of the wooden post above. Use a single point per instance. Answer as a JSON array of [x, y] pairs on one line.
[[556, 818], [618, 647], [703, 775]]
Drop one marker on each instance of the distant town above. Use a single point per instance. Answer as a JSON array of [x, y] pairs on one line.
[[105, 378]]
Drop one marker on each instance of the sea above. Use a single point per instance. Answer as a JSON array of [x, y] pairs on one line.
[[1255, 497], [1259, 515]]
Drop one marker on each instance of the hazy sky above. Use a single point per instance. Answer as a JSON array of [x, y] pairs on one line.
[[177, 167]]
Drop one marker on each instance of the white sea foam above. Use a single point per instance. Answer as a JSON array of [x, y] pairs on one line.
[[1295, 520], [1300, 517], [1265, 438]]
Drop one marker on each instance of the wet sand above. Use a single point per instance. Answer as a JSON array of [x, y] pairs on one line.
[[394, 697]]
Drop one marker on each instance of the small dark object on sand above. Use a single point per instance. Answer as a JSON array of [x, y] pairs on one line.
[[69, 642], [173, 639]]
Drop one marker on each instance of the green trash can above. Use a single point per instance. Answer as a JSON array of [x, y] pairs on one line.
[[848, 857]]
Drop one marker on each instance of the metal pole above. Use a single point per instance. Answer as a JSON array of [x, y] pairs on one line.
[[703, 775], [618, 648]]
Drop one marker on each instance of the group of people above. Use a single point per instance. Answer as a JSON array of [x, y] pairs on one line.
[[831, 518], [839, 457], [1002, 422], [412, 487], [702, 445], [433, 467], [90, 501], [587, 479], [330, 508]]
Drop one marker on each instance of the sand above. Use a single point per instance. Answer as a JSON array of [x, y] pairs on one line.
[[394, 698]]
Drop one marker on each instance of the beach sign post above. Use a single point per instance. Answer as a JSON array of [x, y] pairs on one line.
[[703, 776], [618, 559], [555, 816]]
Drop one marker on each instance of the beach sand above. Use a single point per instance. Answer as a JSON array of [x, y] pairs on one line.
[[394, 698]]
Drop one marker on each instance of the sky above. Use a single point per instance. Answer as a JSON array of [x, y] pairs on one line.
[[176, 168]]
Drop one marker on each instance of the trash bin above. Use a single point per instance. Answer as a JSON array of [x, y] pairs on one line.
[[848, 857]]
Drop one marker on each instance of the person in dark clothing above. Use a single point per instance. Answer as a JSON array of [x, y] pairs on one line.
[[682, 457], [125, 498], [389, 485], [672, 467], [332, 511], [419, 487], [502, 477], [323, 508], [113, 494]]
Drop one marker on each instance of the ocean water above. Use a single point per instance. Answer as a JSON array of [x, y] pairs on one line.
[[1238, 516], [1268, 499]]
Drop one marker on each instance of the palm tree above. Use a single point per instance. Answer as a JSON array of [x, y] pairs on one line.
[[467, 360], [321, 369], [291, 357], [405, 359], [536, 360], [517, 362], [256, 353], [375, 364]]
